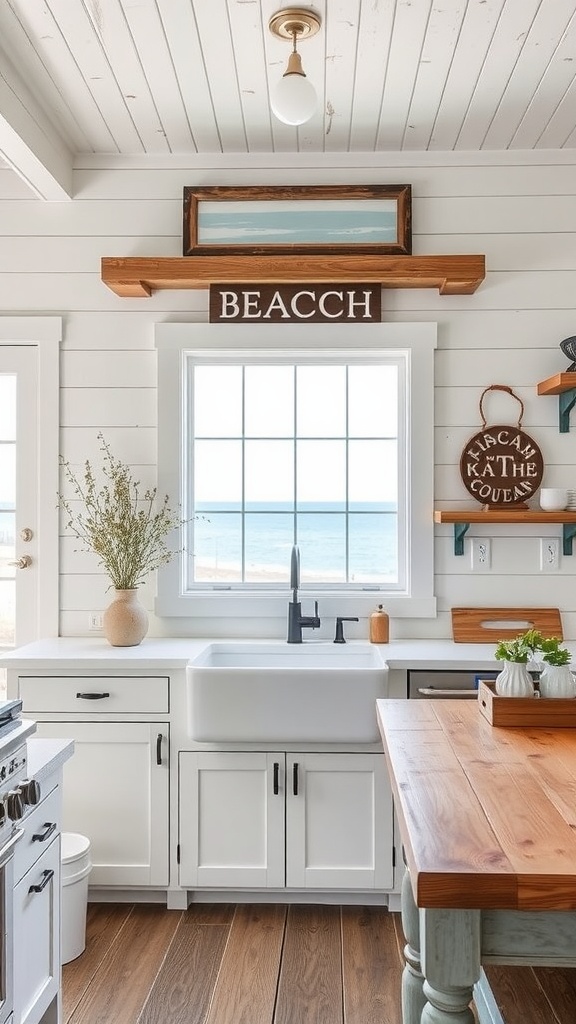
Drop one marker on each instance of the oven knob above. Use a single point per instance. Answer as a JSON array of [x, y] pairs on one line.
[[14, 805], [29, 790]]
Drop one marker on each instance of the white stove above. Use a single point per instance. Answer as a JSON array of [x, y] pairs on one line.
[[17, 795], [16, 791]]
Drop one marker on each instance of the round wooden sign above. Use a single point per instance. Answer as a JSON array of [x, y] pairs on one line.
[[501, 466]]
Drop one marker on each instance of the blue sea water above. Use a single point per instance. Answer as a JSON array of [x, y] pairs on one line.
[[369, 554], [293, 225]]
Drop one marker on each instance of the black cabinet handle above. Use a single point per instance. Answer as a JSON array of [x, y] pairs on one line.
[[159, 748], [92, 696], [295, 778], [41, 837], [47, 876], [276, 778]]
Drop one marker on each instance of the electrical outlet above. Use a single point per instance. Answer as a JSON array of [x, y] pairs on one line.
[[549, 554], [480, 554], [95, 620]]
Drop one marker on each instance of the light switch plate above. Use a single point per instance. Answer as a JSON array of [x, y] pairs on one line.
[[481, 554], [549, 554]]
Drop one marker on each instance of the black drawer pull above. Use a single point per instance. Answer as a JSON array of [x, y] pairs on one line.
[[159, 748], [47, 877], [295, 778], [92, 696], [41, 837], [276, 778]]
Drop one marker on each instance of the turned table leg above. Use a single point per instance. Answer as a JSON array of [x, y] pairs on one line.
[[450, 945], [413, 998]]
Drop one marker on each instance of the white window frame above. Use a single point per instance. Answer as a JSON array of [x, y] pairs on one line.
[[415, 343]]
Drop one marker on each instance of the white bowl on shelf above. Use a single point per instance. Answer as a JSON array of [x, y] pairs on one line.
[[553, 499]]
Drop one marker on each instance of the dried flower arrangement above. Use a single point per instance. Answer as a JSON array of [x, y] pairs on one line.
[[127, 530]]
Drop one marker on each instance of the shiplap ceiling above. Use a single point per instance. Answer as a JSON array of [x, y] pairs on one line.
[[150, 78]]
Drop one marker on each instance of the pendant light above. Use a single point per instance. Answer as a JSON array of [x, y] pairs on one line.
[[293, 100]]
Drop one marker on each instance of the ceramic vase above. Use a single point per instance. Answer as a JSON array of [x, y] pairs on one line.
[[125, 621], [557, 681], [514, 680]]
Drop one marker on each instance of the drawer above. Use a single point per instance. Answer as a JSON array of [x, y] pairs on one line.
[[38, 832], [84, 695]]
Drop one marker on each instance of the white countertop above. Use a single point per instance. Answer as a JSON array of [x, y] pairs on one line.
[[47, 756], [163, 654]]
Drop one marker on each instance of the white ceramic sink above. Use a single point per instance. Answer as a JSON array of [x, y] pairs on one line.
[[266, 692]]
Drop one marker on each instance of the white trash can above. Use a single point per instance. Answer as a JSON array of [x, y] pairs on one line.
[[75, 867]]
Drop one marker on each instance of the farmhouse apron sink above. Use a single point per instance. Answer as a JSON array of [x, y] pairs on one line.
[[265, 692]]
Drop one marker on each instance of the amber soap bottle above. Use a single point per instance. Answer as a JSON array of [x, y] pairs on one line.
[[379, 626]]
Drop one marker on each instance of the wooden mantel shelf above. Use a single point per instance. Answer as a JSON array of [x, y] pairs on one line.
[[137, 277]]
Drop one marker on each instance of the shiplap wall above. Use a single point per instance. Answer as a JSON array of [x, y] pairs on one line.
[[522, 216]]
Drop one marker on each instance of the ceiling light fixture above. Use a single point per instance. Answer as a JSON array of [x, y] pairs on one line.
[[293, 100]]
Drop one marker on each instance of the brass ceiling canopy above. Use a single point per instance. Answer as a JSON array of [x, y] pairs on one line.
[[294, 22]]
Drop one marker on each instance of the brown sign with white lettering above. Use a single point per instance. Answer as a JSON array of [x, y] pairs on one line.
[[296, 303], [501, 465]]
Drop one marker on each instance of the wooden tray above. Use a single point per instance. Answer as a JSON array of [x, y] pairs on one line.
[[532, 712], [471, 625]]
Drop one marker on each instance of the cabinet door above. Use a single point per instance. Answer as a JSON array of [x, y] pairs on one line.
[[37, 937], [231, 819], [339, 825], [116, 793]]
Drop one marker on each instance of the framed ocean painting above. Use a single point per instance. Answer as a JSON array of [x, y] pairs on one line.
[[305, 219]]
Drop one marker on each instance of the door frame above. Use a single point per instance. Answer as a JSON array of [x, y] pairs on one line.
[[45, 334]]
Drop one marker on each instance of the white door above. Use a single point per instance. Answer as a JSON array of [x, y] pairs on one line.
[[339, 826], [231, 819], [29, 381], [18, 495]]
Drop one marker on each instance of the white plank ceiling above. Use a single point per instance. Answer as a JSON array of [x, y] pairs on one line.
[[150, 78]]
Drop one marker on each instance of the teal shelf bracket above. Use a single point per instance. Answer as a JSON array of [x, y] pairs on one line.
[[566, 402], [568, 534], [459, 534]]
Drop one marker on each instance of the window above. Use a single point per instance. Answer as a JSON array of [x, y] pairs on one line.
[[302, 438]]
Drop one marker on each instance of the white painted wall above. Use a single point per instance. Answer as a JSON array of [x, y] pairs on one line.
[[522, 216]]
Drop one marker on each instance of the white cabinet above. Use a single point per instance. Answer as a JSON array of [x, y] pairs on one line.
[[35, 933], [116, 787], [37, 937], [116, 793], [300, 820]]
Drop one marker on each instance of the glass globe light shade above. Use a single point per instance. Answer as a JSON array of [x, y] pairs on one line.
[[293, 100]]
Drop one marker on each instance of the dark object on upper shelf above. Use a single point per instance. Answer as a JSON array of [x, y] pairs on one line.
[[297, 219], [568, 347]]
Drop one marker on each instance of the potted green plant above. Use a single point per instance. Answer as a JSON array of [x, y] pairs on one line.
[[556, 678], [515, 680], [127, 530]]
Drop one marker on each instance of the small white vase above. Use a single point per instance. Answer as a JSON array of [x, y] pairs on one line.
[[557, 681], [125, 621], [514, 680]]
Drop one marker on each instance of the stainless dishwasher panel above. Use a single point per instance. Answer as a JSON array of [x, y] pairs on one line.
[[446, 684]]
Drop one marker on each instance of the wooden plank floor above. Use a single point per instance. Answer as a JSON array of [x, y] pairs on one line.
[[267, 964]]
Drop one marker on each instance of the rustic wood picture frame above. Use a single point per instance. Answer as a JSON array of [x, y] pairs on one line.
[[319, 220]]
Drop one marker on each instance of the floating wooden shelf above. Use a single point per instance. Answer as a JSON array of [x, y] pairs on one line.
[[563, 385], [137, 277], [462, 518]]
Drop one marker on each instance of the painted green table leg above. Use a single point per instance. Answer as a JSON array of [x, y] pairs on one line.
[[413, 998], [450, 950]]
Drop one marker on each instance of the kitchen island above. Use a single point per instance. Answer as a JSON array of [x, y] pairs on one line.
[[487, 817]]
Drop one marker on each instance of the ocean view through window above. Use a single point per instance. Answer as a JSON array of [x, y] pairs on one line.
[[303, 453]]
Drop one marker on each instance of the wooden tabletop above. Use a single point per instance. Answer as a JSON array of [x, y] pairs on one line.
[[487, 815]]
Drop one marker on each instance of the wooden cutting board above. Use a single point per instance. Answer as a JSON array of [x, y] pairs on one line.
[[489, 625]]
